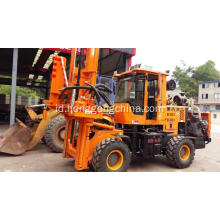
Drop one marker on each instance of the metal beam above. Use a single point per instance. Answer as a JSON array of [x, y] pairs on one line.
[[13, 86], [126, 63]]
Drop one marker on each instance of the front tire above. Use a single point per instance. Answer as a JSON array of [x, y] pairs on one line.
[[54, 135], [111, 155], [180, 152]]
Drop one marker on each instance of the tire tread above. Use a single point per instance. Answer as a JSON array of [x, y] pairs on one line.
[[171, 152], [49, 137]]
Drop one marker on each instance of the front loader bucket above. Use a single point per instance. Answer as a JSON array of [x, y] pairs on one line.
[[15, 140]]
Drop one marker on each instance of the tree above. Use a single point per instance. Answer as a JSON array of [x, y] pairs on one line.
[[188, 78], [206, 72]]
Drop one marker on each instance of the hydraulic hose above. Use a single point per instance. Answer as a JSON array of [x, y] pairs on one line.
[[100, 91]]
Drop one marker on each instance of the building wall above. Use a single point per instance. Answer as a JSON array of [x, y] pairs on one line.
[[213, 100], [215, 117]]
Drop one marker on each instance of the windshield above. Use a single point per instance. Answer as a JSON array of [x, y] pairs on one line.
[[130, 90], [125, 89]]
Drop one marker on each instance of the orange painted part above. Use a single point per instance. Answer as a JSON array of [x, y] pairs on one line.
[[83, 144], [173, 115], [107, 117], [207, 117], [89, 73], [163, 90], [101, 135], [137, 70], [123, 114], [167, 116], [67, 145], [103, 126], [92, 57], [57, 82], [45, 114], [84, 148]]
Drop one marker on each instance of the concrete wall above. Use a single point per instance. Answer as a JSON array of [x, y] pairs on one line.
[[215, 117], [211, 90], [207, 106]]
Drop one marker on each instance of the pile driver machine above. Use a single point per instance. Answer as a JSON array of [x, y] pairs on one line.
[[142, 125]]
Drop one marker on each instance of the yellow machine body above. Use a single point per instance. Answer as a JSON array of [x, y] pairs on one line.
[[167, 116], [94, 138]]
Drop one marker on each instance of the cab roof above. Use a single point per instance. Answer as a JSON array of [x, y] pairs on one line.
[[138, 71]]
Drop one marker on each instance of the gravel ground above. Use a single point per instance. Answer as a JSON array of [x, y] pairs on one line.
[[41, 159]]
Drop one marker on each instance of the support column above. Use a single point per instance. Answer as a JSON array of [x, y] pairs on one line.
[[13, 86], [127, 63]]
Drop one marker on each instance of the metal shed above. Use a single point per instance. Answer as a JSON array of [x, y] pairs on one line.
[[31, 67]]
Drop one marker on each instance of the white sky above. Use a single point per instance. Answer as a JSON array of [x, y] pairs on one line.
[[185, 30], [163, 31]]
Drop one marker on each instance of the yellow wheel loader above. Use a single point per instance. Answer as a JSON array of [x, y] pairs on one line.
[[20, 137], [143, 125]]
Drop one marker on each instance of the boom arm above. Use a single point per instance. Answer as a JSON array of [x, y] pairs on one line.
[[78, 101]]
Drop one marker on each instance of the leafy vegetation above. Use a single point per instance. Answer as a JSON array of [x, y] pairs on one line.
[[22, 91], [188, 78]]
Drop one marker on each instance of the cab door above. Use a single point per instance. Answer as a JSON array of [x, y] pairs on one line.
[[152, 94]]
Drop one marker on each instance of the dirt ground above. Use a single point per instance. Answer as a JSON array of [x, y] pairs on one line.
[[41, 159]]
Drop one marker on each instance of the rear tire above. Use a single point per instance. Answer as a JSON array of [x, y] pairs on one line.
[[54, 135], [180, 152], [111, 155]]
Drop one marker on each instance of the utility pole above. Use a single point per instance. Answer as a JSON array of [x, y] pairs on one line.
[[13, 86]]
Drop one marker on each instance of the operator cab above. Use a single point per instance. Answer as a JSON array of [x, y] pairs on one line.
[[139, 92]]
